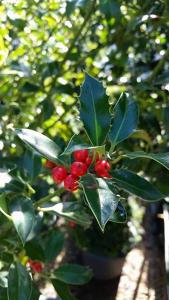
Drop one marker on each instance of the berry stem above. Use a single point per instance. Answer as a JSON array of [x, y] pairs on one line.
[[115, 161]]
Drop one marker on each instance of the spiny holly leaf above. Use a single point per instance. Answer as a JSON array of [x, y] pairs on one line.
[[94, 110], [100, 198], [125, 119], [73, 274], [23, 216], [120, 215], [19, 283], [136, 185], [40, 143], [76, 144], [161, 158]]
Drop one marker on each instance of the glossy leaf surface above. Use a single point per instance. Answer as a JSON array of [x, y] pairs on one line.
[[100, 198], [94, 110], [133, 183], [23, 216], [124, 120], [40, 143], [161, 158], [73, 274]]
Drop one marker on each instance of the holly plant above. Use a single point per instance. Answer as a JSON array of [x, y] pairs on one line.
[[89, 165], [93, 174]]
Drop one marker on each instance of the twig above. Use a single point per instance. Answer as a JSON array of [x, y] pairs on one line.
[[48, 198]]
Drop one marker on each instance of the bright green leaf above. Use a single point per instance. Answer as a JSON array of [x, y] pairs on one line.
[[136, 185], [73, 274], [40, 143], [94, 110], [125, 119], [100, 198], [19, 283], [23, 216]]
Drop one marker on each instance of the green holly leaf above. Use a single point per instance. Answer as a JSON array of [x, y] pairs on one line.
[[161, 158], [125, 119], [136, 185], [73, 274], [72, 211], [4, 207], [76, 143], [62, 290], [120, 215], [40, 143], [100, 198], [19, 283], [94, 110], [23, 216], [53, 244]]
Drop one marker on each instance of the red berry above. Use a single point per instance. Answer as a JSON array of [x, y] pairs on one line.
[[35, 266], [59, 173], [102, 167], [78, 168], [80, 155], [72, 224], [70, 183], [88, 161], [49, 164]]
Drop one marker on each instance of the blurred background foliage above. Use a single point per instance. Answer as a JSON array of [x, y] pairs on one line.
[[45, 47]]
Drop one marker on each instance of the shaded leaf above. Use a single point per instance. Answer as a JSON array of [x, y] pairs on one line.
[[3, 206], [35, 250], [72, 211], [23, 216], [141, 134], [32, 164], [136, 185], [62, 290], [35, 293], [120, 215], [53, 245], [19, 283], [94, 110], [110, 8], [73, 274], [125, 119], [161, 158]]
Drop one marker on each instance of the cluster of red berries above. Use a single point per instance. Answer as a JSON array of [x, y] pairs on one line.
[[78, 168], [36, 266]]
